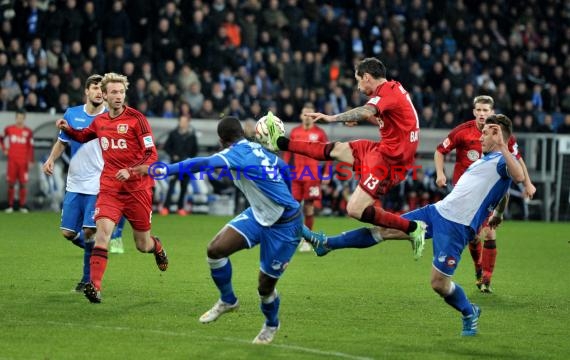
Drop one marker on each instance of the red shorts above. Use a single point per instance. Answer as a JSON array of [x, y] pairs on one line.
[[136, 206], [306, 190], [17, 172], [376, 175]]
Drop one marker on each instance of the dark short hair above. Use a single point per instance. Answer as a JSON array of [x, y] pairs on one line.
[[230, 129], [503, 121], [93, 80], [21, 111], [372, 66]]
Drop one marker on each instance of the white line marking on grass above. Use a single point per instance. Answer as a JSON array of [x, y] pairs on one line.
[[193, 333]]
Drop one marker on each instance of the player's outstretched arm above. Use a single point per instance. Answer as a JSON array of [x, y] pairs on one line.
[[197, 164], [82, 136]]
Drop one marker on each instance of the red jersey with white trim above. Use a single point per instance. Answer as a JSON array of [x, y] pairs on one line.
[[304, 164], [20, 143], [466, 140], [126, 141], [398, 121]]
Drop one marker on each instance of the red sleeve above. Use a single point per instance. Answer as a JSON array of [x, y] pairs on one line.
[[450, 142], [84, 135], [514, 147], [146, 141]]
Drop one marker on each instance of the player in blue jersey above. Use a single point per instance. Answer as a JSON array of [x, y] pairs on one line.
[[77, 222], [453, 221], [273, 221]]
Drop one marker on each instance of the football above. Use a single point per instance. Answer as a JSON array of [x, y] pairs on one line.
[[262, 134]]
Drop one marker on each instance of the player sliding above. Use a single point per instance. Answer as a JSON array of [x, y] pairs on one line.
[[378, 164], [454, 221]]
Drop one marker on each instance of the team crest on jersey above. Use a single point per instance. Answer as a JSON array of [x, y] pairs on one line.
[[313, 137], [104, 143], [451, 262], [122, 128], [473, 155]]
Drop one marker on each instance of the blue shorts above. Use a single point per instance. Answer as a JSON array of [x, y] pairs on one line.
[[278, 242], [449, 238], [78, 211]]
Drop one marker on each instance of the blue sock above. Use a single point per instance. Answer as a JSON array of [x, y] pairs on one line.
[[221, 270], [270, 308], [118, 232], [458, 300], [87, 261], [79, 240], [359, 238]]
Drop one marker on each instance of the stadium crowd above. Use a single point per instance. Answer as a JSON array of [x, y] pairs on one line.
[[244, 57]]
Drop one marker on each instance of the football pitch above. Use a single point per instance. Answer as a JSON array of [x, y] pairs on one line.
[[375, 303]]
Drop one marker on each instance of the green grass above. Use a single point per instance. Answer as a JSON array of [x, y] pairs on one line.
[[351, 304]]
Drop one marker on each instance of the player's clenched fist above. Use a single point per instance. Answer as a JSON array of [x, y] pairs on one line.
[[61, 124]]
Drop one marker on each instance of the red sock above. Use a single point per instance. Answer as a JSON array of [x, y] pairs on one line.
[[489, 258], [157, 245], [475, 251], [310, 221], [98, 265], [11, 193], [23, 193], [315, 150], [378, 216]]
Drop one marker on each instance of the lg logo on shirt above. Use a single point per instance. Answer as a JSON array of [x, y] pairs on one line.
[[113, 144]]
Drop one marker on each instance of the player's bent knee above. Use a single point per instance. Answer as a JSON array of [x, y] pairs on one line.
[[214, 251]]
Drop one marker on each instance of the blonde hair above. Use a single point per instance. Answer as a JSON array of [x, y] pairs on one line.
[[114, 78], [484, 99]]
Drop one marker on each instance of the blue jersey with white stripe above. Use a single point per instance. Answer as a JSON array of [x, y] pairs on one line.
[[477, 192], [263, 178], [86, 159]]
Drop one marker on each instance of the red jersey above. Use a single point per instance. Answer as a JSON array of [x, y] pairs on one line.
[[126, 141], [466, 139], [304, 164], [20, 143], [398, 121]]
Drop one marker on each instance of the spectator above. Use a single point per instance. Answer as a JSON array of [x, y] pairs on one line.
[[565, 127], [116, 27]]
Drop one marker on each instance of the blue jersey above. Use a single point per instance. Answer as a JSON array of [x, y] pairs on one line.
[[263, 178], [477, 192], [86, 159]]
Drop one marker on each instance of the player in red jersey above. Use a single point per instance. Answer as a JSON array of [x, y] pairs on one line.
[[306, 185], [18, 145], [380, 164], [128, 148], [465, 140]]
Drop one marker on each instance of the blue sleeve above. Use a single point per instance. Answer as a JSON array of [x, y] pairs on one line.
[[63, 137], [197, 164], [502, 168]]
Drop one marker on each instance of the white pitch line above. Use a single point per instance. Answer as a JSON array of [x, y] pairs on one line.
[[193, 333]]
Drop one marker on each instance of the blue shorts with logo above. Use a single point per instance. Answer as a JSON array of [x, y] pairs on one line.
[[277, 243], [78, 211], [449, 238]]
